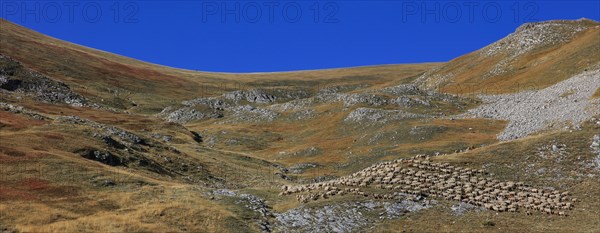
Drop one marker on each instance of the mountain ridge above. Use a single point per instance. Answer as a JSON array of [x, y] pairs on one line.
[[546, 53]]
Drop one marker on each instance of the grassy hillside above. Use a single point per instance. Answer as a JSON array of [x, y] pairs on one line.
[[83, 148], [532, 161], [103, 75], [535, 56]]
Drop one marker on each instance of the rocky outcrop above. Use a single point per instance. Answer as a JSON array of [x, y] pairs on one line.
[[409, 102], [369, 99], [530, 36], [195, 109], [181, 115], [256, 205], [518, 54], [379, 115], [595, 146], [124, 137], [211, 102], [258, 105], [330, 218], [303, 114], [254, 96], [345, 217], [461, 208], [250, 113], [126, 148], [216, 107], [562, 104], [104, 157], [14, 78], [293, 105], [301, 167], [21, 110], [403, 89]]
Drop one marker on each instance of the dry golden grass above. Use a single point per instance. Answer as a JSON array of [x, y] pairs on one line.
[[147, 210], [153, 87], [535, 70], [47, 188], [440, 219], [596, 94]]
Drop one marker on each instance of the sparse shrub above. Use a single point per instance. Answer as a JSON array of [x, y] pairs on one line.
[[488, 223]]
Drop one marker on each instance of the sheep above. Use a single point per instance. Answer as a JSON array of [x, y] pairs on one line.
[[420, 176], [562, 213]]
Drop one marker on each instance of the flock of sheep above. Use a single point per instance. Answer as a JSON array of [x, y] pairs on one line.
[[418, 176]]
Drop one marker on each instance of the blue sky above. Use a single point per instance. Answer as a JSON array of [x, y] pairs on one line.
[[261, 36]]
